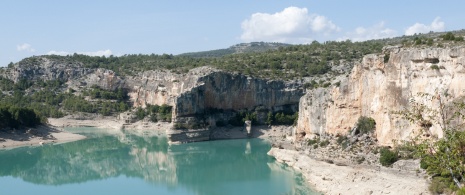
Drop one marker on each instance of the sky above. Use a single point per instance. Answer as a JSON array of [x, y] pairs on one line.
[[104, 27]]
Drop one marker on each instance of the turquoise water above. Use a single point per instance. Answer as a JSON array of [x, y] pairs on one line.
[[129, 164]]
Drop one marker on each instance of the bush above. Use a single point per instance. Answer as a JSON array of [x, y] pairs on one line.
[[241, 117], [386, 57], [324, 143], [387, 157], [366, 124], [140, 113], [434, 67], [285, 119], [441, 185], [341, 139], [312, 141]]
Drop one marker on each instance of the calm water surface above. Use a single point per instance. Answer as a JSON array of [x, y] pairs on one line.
[[129, 164]]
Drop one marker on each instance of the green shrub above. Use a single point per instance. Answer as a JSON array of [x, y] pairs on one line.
[[387, 157], [140, 113], [461, 191], [434, 67], [366, 124], [441, 185], [241, 117], [324, 143], [386, 57], [312, 141], [448, 36], [341, 139], [423, 164]]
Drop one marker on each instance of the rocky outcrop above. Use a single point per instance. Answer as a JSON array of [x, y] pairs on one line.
[[159, 87], [42, 68], [377, 89], [73, 73], [205, 95], [218, 95]]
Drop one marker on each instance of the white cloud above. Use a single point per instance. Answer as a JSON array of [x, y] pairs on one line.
[[25, 47], [293, 24], [95, 53], [436, 25], [378, 31], [98, 53], [60, 53]]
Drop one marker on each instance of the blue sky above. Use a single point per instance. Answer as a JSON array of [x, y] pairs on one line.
[[99, 27]]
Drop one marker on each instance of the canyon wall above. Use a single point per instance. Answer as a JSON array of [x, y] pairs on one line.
[[200, 98], [219, 95], [381, 85]]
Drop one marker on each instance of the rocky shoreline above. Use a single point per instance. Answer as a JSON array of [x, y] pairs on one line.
[[330, 178], [331, 168]]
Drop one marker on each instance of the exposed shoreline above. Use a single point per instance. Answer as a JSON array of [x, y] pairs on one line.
[[322, 176], [331, 178], [37, 136]]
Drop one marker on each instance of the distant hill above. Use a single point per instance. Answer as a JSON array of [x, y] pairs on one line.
[[235, 49]]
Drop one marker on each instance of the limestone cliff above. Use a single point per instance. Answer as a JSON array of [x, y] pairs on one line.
[[200, 97], [376, 88], [205, 95], [73, 73]]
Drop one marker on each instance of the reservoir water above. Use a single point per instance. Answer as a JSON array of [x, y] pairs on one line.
[[122, 163]]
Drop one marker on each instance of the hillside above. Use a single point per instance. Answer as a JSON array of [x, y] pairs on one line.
[[55, 86], [236, 49]]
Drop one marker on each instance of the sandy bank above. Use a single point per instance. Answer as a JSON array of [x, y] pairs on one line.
[[36, 136], [333, 179]]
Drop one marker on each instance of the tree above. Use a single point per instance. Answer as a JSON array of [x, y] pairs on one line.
[[366, 124], [440, 156], [269, 118]]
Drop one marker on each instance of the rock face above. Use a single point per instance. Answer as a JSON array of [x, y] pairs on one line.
[[199, 98], [204, 96], [74, 73], [162, 87], [376, 89]]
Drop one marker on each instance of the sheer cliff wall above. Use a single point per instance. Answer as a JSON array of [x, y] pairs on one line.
[[377, 89]]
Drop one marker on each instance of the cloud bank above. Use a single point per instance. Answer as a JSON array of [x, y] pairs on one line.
[[95, 53], [293, 24], [377, 31], [436, 25], [25, 47]]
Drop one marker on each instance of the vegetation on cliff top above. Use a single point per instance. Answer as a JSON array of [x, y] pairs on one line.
[[289, 62]]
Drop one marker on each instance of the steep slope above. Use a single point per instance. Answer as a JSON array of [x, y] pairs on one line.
[[381, 85]]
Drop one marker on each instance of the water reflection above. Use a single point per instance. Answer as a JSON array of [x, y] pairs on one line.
[[229, 167]]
